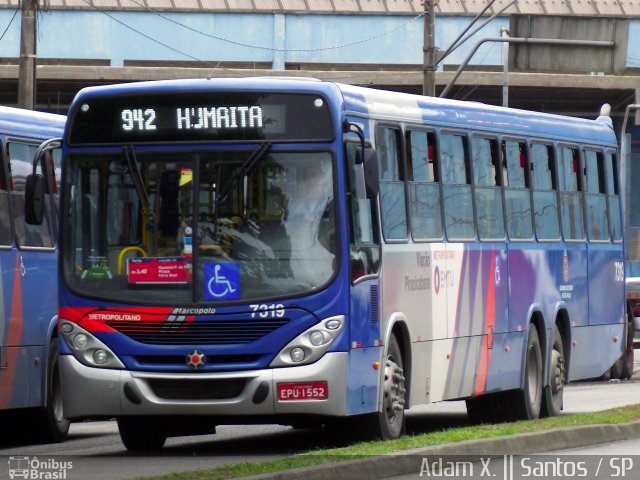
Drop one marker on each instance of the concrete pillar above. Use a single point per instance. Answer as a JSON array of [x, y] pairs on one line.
[[279, 39]]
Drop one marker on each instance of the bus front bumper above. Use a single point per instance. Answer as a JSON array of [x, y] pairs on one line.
[[96, 392]]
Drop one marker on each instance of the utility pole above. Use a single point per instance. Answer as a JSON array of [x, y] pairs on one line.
[[27, 69], [504, 33], [429, 49]]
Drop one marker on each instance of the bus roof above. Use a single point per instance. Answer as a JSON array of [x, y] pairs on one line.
[[394, 106], [27, 123]]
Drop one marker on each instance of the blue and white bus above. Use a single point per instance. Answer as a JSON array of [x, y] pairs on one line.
[[305, 252], [29, 377]]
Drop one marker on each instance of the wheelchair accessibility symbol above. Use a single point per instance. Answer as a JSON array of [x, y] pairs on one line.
[[221, 281]]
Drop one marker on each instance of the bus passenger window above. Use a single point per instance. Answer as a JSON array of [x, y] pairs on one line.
[[516, 193], [392, 196], [570, 187], [489, 211], [458, 204], [545, 198], [425, 204], [596, 196], [613, 196], [21, 164]]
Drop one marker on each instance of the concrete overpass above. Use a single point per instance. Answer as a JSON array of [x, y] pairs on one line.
[[368, 42]]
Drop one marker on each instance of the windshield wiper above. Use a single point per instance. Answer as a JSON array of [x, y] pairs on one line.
[[246, 167]]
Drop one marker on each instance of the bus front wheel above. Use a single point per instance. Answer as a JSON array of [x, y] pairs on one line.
[[141, 434], [52, 427], [388, 424]]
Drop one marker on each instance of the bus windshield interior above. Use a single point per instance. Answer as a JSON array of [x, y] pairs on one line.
[[188, 228]]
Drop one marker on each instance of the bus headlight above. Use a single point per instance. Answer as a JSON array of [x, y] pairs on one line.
[[297, 354], [311, 344], [87, 349], [316, 338], [80, 341]]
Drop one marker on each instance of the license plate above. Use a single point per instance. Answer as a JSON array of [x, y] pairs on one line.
[[303, 391]]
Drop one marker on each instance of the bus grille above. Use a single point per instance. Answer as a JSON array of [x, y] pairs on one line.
[[198, 333], [182, 389]]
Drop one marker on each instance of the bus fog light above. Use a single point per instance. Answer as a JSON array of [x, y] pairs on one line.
[[67, 327], [80, 341], [333, 324], [316, 338], [297, 354], [100, 356]]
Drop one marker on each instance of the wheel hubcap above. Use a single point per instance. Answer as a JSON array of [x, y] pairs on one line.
[[56, 398], [394, 389], [533, 374], [557, 380]]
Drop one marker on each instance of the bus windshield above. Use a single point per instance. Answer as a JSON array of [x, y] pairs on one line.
[[198, 227]]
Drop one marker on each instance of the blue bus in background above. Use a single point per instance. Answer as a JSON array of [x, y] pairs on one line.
[[30, 395], [311, 253]]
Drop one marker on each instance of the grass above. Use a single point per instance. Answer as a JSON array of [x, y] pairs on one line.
[[318, 457]]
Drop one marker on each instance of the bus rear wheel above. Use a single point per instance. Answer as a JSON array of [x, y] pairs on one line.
[[525, 404], [627, 356], [553, 393], [141, 434]]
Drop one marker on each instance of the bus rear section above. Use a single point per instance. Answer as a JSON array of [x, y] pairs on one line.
[[30, 391]]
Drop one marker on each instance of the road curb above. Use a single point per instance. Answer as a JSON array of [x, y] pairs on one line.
[[409, 461]]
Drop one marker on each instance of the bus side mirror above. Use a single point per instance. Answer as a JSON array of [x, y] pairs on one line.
[[371, 172], [34, 199], [366, 173]]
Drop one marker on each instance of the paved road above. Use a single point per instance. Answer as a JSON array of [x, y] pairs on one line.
[[97, 452]]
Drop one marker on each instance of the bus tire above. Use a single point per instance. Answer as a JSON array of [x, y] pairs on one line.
[[525, 404], [388, 424], [553, 393], [628, 354], [52, 427], [141, 434]]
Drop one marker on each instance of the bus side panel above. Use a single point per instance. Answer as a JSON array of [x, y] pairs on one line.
[[365, 335], [606, 284], [593, 351], [362, 395], [573, 283], [505, 367], [481, 300], [14, 371], [39, 295], [407, 285]]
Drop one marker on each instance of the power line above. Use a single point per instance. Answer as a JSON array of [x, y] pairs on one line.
[[148, 37], [10, 22], [261, 47]]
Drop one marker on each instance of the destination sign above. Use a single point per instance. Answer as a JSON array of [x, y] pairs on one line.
[[200, 117]]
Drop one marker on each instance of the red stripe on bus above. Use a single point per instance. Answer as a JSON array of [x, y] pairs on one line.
[[490, 322], [13, 339]]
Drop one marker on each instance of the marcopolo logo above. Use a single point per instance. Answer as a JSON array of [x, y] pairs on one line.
[[36, 469]]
